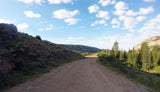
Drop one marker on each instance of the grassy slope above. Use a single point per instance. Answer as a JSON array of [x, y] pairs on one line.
[[23, 56]]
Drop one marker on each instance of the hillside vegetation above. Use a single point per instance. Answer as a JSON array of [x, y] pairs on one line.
[[22, 56], [142, 65], [81, 48]]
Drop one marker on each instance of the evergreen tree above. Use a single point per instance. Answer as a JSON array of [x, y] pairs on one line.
[[112, 54], [125, 56], [146, 57], [134, 58], [129, 58], [107, 51], [139, 62], [122, 57], [156, 55], [115, 48]]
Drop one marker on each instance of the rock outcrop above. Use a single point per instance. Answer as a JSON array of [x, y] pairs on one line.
[[151, 42]]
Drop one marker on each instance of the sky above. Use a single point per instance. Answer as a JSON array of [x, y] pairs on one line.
[[97, 23]]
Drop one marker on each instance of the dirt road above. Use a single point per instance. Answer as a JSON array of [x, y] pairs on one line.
[[80, 76]]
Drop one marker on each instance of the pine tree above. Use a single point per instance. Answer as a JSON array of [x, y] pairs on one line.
[[134, 58], [115, 48], [129, 58], [111, 54], [146, 57], [139, 58], [125, 55], [107, 51], [121, 57], [156, 55]]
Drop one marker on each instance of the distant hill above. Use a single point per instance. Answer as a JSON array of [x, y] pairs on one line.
[[22, 55], [81, 48], [151, 42]]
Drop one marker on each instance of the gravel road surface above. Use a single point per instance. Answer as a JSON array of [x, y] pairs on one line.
[[80, 76]]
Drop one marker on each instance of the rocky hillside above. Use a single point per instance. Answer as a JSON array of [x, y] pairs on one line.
[[81, 48], [151, 42], [22, 55]]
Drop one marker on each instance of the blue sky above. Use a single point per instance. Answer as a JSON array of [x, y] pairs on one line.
[[97, 23]]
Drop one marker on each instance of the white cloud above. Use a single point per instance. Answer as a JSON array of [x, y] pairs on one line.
[[129, 23], [93, 8], [127, 41], [60, 1], [39, 1], [71, 21], [50, 1], [70, 40], [149, 0], [113, 2], [150, 29], [115, 21], [120, 8], [102, 22], [103, 14], [31, 14], [121, 18], [131, 13], [105, 41], [6, 21], [32, 1], [105, 24], [92, 24], [27, 1], [152, 25], [140, 18], [41, 29], [66, 15], [50, 27], [107, 2], [22, 26], [62, 13], [99, 22], [43, 21], [104, 2], [119, 12], [74, 38], [144, 11]]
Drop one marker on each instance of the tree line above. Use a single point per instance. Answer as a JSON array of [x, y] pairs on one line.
[[145, 58]]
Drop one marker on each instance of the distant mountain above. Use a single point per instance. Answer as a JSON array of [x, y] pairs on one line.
[[151, 42], [22, 55], [81, 48]]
